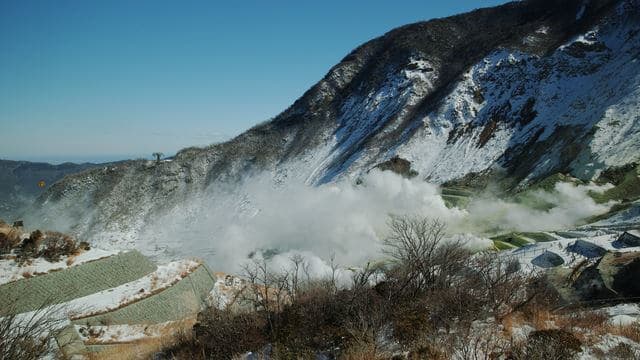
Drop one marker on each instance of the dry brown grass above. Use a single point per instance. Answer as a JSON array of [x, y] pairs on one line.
[[587, 325], [362, 352], [513, 320], [71, 260], [630, 331], [542, 319], [170, 334]]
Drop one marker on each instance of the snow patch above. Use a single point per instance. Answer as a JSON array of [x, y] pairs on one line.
[[10, 270], [109, 334]]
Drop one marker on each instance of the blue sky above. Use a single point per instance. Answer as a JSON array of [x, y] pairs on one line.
[[96, 81]]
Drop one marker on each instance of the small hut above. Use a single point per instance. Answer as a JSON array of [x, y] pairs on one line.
[[548, 259], [628, 239], [587, 249]]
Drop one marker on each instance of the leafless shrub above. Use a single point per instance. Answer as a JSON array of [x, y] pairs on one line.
[[481, 341], [427, 299], [56, 245], [222, 334], [28, 336], [497, 285], [30, 247], [423, 259], [50, 245], [299, 268], [267, 291], [553, 344]]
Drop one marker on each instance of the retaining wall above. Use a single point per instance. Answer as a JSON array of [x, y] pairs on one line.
[[177, 302], [71, 283]]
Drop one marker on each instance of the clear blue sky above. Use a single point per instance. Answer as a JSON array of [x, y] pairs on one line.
[[102, 80]]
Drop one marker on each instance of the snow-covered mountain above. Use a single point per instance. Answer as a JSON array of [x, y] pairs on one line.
[[516, 92]]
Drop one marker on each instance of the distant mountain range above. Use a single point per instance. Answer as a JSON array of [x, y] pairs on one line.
[[20, 182]]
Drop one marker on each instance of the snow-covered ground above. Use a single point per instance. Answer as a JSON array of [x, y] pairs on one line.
[[571, 250], [10, 270], [106, 334], [561, 98], [623, 314]]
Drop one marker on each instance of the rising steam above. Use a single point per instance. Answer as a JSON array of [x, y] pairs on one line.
[[343, 220]]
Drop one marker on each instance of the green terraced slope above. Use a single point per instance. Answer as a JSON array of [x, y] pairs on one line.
[[183, 299], [74, 282]]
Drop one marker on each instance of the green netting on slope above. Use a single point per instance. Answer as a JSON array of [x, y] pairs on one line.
[[77, 281], [177, 302]]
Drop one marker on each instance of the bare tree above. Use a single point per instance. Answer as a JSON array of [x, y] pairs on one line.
[[361, 278], [267, 291], [157, 155], [333, 275], [299, 267], [423, 259], [498, 283]]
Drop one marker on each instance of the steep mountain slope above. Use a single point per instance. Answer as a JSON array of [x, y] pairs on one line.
[[515, 92]]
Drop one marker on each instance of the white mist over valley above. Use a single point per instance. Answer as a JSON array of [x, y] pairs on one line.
[[344, 219]]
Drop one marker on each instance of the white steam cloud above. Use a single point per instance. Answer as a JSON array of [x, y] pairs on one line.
[[568, 204], [342, 220]]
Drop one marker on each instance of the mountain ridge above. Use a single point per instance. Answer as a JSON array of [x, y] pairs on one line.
[[452, 99]]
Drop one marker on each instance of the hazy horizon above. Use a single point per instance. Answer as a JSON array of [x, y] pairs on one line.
[[79, 159]]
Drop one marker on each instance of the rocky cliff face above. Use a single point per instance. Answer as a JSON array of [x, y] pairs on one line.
[[515, 92]]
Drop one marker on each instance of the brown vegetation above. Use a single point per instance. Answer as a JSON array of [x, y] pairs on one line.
[[433, 291], [57, 245], [10, 237], [169, 335], [50, 245]]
